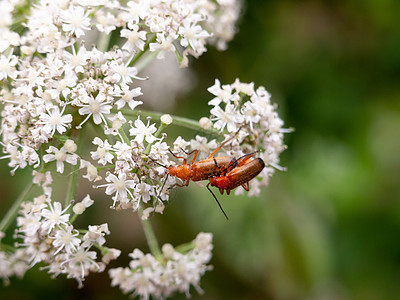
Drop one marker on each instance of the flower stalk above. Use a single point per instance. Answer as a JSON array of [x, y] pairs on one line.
[[151, 238], [13, 211]]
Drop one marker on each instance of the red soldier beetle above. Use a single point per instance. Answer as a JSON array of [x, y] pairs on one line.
[[201, 170], [244, 169]]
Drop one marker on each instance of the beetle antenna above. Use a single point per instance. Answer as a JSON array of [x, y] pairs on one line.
[[162, 187], [219, 204], [159, 193], [156, 162]]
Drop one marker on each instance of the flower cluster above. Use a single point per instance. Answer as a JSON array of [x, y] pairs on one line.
[[48, 236], [251, 120], [12, 263], [172, 271], [53, 84], [138, 173]]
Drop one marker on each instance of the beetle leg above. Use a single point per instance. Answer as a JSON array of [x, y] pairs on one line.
[[194, 156], [246, 186], [184, 159], [220, 146], [176, 184], [215, 161]]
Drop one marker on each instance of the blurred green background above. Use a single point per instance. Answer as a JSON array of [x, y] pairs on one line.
[[329, 227]]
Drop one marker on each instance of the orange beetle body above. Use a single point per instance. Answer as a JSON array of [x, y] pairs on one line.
[[247, 169], [201, 170], [204, 169]]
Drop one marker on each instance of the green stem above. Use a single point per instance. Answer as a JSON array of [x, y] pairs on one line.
[[104, 42], [105, 167], [148, 229], [157, 135], [73, 218], [151, 238], [139, 55], [13, 211], [124, 136], [185, 247], [140, 65], [71, 187], [7, 248]]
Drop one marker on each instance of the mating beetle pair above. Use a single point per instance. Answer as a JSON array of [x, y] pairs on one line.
[[225, 173]]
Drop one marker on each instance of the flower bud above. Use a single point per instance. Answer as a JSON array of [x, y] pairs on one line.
[[166, 119], [79, 208], [70, 146], [205, 123]]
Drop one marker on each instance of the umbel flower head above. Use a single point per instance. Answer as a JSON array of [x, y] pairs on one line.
[[172, 271]]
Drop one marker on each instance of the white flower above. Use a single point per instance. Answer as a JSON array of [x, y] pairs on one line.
[[7, 66], [142, 191], [246, 88], [29, 223], [141, 131], [223, 94], [123, 151], [147, 211], [96, 234], [80, 207], [119, 186], [54, 216], [123, 73], [70, 146], [66, 239], [251, 113], [5, 267], [79, 263], [33, 76], [75, 20], [77, 61], [92, 174], [260, 127], [127, 96], [117, 121], [180, 144], [159, 152], [96, 107], [228, 117], [163, 45], [135, 38], [111, 254], [102, 155], [205, 148], [137, 10], [87, 201], [42, 179], [106, 23], [60, 156], [54, 120], [29, 155], [193, 35]]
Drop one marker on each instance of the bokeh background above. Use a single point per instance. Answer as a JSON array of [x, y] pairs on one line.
[[329, 227]]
